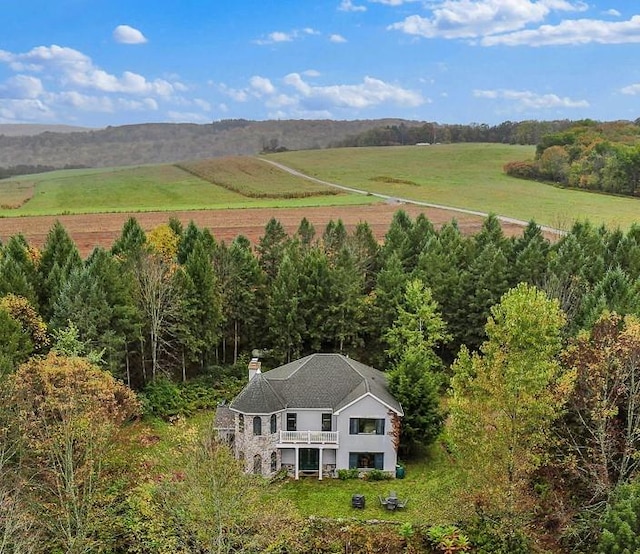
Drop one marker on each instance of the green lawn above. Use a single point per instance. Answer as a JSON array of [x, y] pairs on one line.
[[432, 486], [466, 176]]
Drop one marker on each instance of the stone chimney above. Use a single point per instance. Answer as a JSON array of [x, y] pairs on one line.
[[254, 367]]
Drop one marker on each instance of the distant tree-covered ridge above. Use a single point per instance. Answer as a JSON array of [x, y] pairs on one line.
[[176, 142], [588, 155]]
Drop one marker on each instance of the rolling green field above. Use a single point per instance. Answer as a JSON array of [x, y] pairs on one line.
[[466, 176], [152, 188]]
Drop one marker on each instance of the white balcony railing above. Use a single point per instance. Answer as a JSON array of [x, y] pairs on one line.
[[309, 437]]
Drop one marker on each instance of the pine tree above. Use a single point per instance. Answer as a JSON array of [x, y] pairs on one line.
[[59, 258]]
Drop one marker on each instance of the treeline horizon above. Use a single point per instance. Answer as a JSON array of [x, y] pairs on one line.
[[170, 143]]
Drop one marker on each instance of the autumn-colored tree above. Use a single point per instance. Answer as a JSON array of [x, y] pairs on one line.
[[18, 529], [506, 398], [600, 428], [163, 240], [20, 309], [68, 412]]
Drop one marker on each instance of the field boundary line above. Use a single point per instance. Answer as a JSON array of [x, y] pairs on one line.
[[395, 199]]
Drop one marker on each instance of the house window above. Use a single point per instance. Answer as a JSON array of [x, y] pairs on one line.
[[366, 426], [366, 460], [257, 464], [241, 423], [326, 422], [292, 422], [274, 462], [273, 423], [257, 425]]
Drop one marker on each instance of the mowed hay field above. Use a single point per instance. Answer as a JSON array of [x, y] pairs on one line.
[[465, 176], [251, 178], [163, 188]]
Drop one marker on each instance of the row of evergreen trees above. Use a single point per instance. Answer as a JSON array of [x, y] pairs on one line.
[[176, 301]]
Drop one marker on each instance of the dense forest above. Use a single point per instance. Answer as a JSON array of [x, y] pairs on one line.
[[588, 155], [535, 345]]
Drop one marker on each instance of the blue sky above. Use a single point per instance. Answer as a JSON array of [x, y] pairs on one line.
[[113, 62]]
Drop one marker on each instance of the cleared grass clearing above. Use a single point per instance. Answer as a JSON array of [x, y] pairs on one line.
[[149, 188], [433, 487], [465, 176], [249, 177]]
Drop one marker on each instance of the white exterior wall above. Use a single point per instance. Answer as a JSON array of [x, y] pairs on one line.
[[366, 407], [307, 420]]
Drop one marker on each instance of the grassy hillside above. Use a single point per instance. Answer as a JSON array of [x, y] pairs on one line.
[[467, 176], [161, 188]]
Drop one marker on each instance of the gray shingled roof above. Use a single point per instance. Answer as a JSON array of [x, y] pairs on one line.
[[320, 381]]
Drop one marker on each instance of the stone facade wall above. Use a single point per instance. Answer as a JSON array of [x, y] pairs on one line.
[[262, 445]]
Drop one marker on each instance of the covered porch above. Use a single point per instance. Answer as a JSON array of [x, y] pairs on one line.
[[306, 461]]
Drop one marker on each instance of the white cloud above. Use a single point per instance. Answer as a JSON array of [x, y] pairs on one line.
[[392, 2], [71, 67], [349, 6], [147, 104], [577, 31], [311, 73], [631, 89], [188, 117], [476, 18], [261, 85], [25, 111], [124, 34], [21, 87], [612, 12], [337, 39], [531, 100], [202, 104], [281, 36], [371, 92], [85, 102], [239, 95]]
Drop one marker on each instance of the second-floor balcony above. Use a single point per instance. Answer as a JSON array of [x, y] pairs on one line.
[[309, 437]]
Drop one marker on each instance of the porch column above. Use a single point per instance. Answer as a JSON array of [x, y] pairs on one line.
[[297, 454], [320, 464]]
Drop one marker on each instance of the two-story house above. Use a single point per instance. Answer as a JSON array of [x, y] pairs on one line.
[[315, 415]]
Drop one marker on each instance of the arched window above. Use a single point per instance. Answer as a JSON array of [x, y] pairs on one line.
[[257, 464], [274, 462], [241, 423], [274, 424], [257, 425]]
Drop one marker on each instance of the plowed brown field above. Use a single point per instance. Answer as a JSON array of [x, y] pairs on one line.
[[89, 231]]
